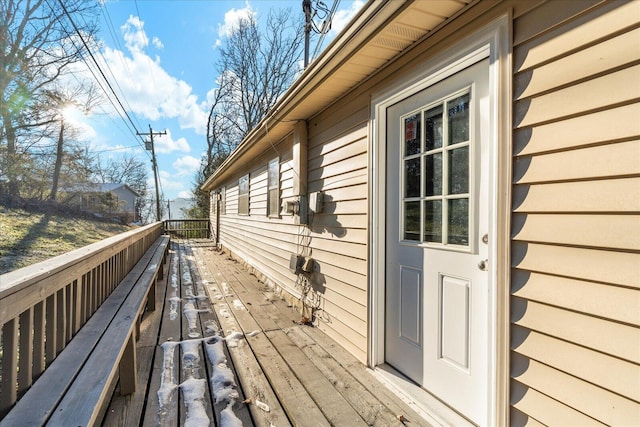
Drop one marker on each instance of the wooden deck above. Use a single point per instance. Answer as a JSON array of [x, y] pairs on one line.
[[221, 350]]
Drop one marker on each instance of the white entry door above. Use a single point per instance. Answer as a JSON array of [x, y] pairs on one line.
[[437, 234]]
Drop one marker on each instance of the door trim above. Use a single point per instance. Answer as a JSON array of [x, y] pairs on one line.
[[494, 42]]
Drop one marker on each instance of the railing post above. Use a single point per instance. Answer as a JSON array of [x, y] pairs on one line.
[[25, 360], [51, 311], [8, 391], [38, 339]]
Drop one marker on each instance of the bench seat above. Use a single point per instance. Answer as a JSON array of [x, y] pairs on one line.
[[75, 388]]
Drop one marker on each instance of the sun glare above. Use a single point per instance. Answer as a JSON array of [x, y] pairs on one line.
[[69, 112]]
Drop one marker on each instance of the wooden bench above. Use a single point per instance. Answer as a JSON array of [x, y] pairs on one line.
[[76, 388]]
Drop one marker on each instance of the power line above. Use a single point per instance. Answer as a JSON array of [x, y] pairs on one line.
[[322, 12], [66, 12], [98, 81], [151, 134], [323, 34]]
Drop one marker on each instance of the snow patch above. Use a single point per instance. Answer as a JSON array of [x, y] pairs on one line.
[[191, 314], [193, 394], [167, 380], [223, 382], [225, 289], [174, 301], [263, 406], [215, 351], [228, 418], [190, 355], [211, 326], [224, 311], [233, 338], [237, 304]]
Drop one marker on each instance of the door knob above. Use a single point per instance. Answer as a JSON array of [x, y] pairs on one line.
[[483, 265]]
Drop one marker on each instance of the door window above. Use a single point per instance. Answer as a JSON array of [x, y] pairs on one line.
[[436, 180]]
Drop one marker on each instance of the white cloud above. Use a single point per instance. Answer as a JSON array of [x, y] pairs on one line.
[[342, 18], [134, 36], [148, 90], [157, 43], [165, 144], [186, 165], [231, 19], [185, 195], [168, 182]]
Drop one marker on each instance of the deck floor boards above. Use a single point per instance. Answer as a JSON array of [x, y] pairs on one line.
[[286, 373]]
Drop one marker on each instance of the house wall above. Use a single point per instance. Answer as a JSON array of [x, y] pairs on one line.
[[336, 238], [129, 199], [575, 248], [338, 166], [575, 306]]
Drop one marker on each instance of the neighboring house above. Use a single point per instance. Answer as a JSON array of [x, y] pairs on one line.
[[107, 199], [473, 170]]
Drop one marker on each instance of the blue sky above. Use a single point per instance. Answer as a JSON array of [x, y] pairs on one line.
[[160, 57]]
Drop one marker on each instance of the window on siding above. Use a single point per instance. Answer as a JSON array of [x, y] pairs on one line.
[[223, 201], [273, 185], [243, 195]]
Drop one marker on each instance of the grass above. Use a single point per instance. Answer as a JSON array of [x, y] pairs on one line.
[[27, 237]]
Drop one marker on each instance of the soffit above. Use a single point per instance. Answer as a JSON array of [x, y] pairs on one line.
[[381, 32]]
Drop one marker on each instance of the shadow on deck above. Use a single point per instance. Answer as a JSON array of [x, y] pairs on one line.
[[222, 350]]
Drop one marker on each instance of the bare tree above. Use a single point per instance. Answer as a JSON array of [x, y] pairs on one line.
[[257, 66], [83, 95], [38, 44]]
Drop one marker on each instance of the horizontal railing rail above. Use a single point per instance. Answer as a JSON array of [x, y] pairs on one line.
[[188, 228], [43, 306]]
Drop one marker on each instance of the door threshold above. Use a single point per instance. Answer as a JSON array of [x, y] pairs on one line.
[[424, 403]]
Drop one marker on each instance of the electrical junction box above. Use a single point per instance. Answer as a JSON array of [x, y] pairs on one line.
[[316, 202], [301, 264], [295, 263], [308, 264], [289, 207]]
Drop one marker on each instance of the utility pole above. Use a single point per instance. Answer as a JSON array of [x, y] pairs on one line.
[[316, 9], [151, 134], [306, 9]]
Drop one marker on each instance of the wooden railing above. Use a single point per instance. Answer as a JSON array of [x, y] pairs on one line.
[[43, 306], [188, 228]]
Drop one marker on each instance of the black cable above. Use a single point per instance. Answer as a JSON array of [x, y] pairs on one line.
[[66, 12]]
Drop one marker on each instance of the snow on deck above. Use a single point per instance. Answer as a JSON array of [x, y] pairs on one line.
[[221, 350]]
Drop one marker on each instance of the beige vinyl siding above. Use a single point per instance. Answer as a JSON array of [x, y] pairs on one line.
[[232, 199], [258, 192], [286, 180], [336, 239], [265, 243], [575, 306], [337, 164]]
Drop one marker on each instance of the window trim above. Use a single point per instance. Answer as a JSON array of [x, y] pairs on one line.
[[271, 186], [244, 207], [223, 201]]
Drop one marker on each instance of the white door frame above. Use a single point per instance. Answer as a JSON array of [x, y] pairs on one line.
[[494, 42]]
